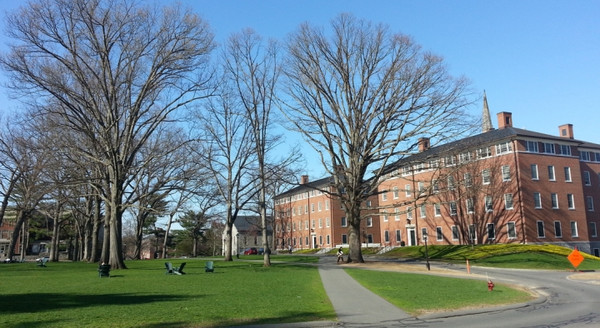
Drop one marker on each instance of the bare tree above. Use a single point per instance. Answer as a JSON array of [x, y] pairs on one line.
[[226, 146], [114, 72], [254, 69], [362, 97]]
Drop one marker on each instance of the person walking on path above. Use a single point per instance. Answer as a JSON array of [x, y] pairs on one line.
[[340, 255]]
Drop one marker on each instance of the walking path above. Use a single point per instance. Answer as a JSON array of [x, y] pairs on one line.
[[372, 310]]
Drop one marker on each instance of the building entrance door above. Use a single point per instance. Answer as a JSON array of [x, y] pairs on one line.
[[412, 236]]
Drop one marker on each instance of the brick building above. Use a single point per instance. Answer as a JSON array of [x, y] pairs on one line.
[[504, 185], [307, 216]]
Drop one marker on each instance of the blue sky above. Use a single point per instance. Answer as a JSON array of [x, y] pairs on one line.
[[539, 60]]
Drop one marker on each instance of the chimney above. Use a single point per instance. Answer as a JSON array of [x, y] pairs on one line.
[[504, 120], [566, 131], [423, 144], [304, 179]]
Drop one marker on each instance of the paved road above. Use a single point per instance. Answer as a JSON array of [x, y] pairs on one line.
[[565, 302]]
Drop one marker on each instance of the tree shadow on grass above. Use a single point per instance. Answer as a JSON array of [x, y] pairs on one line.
[[22, 303]]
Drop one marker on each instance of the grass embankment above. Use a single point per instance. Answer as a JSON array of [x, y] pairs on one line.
[[72, 295], [418, 294], [516, 256]]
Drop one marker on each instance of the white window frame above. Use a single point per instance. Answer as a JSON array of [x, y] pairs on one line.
[[593, 229], [439, 234], [455, 233], [534, 172], [369, 221], [423, 210], [407, 190], [568, 177], [587, 178], [558, 229], [508, 201], [511, 230], [491, 233], [489, 203], [505, 173], [537, 200], [589, 203], [554, 200], [574, 229], [437, 210], [551, 173], [540, 233], [486, 178], [571, 201]]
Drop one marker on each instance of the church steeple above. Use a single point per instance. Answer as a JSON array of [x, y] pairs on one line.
[[486, 120]]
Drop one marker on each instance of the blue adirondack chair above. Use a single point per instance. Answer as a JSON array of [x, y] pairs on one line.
[[209, 267]]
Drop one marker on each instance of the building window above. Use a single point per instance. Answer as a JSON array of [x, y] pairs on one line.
[[386, 236], [548, 148], [571, 201], [508, 201], [305, 224], [328, 240], [565, 150], [593, 230], [484, 152], [421, 188], [407, 190], [503, 148], [540, 229], [306, 239], [344, 222], [305, 209], [532, 147], [584, 156], [423, 232], [396, 193], [587, 179], [450, 182], [554, 198], [438, 233], [453, 209], [485, 176], [557, 229], [589, 203], [470, 206], [384, 196], [369, 221], [512, 232], [368, 204], [320, 206], [534, 172], [398, 236], [327, 204], [491, 231], [505, 173], [468, 180], [567, 174], [437, 209], [409, 214], [321, 223], [385, 216], [312, 223], [423, 211], [397, 214], [574, 232], [455, 234], [489, 205], [344, 239], [537, 200], [551, 175], [472, 232]]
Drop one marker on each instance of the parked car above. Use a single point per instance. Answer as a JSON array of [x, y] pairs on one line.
[[261, 251], [251, 251]]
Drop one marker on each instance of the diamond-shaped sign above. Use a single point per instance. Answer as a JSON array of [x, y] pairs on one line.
[[575, 258]]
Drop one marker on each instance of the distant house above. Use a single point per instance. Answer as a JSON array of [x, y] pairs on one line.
[[246, 232]]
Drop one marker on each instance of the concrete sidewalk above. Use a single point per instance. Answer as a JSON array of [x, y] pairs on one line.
[[355, 305]]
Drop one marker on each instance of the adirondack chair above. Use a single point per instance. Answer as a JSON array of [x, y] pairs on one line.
[[179, 270], [42, 261], [169, 267], [104, 270], [209, 267]]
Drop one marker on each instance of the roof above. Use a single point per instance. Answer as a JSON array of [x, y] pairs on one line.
[[479, 140], [314, 185], [245, 223]]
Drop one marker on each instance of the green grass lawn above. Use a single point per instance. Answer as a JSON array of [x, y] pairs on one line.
[[418, 294], [72, 295], [549, 257]]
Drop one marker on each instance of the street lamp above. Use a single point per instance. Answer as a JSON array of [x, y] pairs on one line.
[[426, 251]]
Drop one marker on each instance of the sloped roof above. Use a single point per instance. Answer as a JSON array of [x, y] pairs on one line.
[[314, 185], [479, 140], [245, 223]]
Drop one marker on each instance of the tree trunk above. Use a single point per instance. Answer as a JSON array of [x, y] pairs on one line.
[[355, 254], [228, 242], [95, 251], [21, 215], [54, 243]]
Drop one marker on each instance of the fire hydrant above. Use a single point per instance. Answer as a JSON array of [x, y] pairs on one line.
[[490, 285]]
